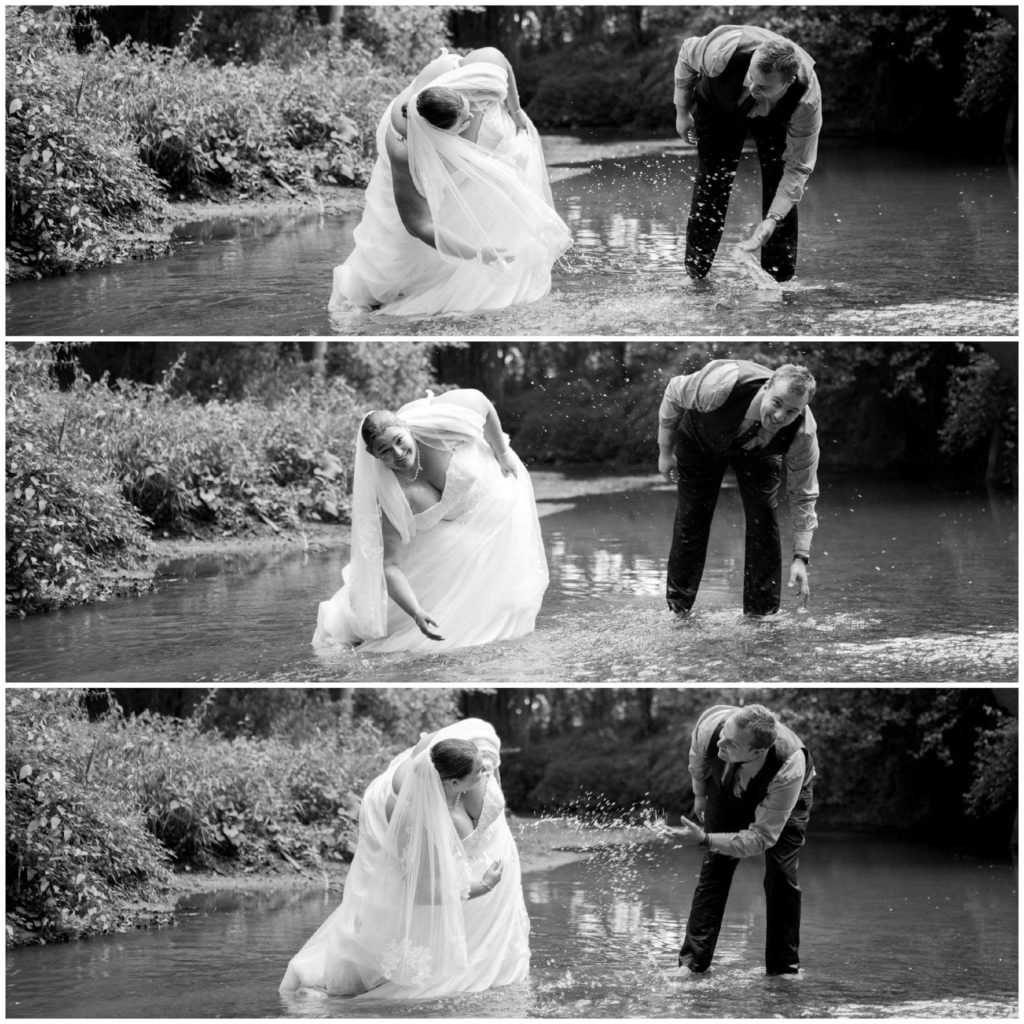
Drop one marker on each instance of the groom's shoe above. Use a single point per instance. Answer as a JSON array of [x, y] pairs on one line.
[[774, 972]]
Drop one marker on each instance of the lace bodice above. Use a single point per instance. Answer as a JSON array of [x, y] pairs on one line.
[[471, 471]]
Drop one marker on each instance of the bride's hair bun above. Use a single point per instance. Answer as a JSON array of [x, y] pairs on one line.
[[439, 105], [454, 759]]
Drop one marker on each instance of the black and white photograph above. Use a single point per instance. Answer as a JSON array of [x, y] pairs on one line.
[[491, 171], [513, 512], [580, 853]]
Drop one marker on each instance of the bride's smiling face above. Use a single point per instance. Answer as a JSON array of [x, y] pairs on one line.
[[395, 447]]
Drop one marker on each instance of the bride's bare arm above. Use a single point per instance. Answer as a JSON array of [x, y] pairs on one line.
[[470, 398], [400, 589], [414, 210], [401, 773], [492, 55]]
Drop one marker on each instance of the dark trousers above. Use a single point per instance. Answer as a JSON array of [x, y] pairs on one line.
[[782, 898], [719, 147], [700, 480]]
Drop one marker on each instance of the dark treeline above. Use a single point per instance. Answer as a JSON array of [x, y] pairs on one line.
[[940, 763], [108, 792], [112, 444], [899, 73], [114, 112], [923, 408]]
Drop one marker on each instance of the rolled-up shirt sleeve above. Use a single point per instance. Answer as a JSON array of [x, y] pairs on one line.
[[772, 813], [704, 391], [703, 55], [699, 763], [802, 484], [799, 157]]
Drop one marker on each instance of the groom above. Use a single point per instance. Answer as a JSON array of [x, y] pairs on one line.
[[738, 413], [752, 794], [734, 79]]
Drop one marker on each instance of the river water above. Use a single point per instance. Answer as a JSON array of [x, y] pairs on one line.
[[909, 583], [890, 929], [892, 243]]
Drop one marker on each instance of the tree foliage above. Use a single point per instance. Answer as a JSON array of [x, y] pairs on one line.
[[93, 469], [101, 805], [75, 184], [937, 762]]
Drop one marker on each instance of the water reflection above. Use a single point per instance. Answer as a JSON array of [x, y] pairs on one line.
[[892, 243], [890, 929], [907, 585]]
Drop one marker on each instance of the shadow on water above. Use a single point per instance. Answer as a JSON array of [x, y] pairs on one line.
[[907, 584], [889, 929], [892, 243]]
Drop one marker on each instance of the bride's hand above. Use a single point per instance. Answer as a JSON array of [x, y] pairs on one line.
[[507, 463], [423, 622], [520, 120], [489, 255], [492, 876]]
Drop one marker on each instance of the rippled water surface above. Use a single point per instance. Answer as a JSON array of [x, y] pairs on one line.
[[889, 930], [892, 243], [908, 583]]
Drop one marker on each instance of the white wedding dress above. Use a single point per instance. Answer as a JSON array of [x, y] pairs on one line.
[[391, 938], [491, 193], [475, 560]]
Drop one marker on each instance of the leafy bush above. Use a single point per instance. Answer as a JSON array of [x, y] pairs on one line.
[[982, 416], [994, 785], [74, 182], [93, 468], [77, 846], [93, 138], [71, 536]]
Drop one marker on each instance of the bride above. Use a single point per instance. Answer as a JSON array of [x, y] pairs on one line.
[[458, 212], [446, 544], [433, 901]]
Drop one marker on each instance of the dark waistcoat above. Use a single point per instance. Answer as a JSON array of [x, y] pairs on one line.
[[718, 429], [731, 812], [720, 96]]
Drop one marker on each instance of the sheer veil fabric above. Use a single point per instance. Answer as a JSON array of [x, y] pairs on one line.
[[489, 194], [405, 928], [475, 560]]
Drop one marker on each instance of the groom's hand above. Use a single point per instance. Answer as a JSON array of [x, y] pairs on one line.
[[687, 833], [761, 234], [798, 576], [684, 126], [667, 466]]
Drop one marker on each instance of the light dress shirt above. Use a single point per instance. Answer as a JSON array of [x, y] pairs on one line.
[[705, 391], [708, 55], [772, 813]]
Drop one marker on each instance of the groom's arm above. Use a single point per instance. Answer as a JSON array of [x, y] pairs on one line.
[[704, 391], [771, 816]]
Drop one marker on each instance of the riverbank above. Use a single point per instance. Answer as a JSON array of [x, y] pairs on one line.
[[555, 490], [555, 846]]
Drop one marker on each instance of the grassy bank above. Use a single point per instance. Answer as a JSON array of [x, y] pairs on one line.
[[95, 473], [102, 139], [107, 818]]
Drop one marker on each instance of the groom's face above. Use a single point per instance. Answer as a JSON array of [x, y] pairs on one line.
[[765, 85], [779, 406], [735, 745]]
